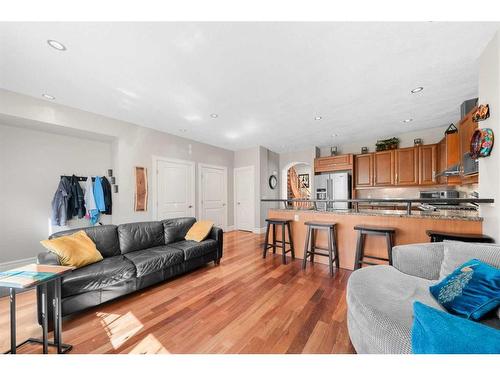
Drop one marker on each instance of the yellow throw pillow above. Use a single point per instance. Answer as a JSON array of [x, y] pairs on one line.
[[76, 250], [199, 231]]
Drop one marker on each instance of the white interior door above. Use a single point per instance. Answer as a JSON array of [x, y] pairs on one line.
[[213, 194], [244, 212], [174, 189]]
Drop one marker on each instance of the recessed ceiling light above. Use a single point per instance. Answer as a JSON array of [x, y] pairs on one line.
[[408, 120], [47, 96], [417, 89], [56, 45], [183, 130], [318, 118], [335, 135], [214, 115]]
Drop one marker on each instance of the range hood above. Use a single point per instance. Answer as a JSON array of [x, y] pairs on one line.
[[454, 170]]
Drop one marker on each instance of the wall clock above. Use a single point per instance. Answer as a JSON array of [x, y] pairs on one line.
[[273, 182]]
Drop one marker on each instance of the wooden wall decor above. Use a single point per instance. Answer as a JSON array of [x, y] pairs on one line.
[[141, 189]]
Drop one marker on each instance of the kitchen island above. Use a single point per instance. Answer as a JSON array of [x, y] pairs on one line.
[[410, 228]]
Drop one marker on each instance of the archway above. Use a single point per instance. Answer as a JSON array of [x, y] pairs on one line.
[[297, 180]]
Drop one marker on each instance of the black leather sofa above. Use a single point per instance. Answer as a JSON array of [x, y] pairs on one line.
[[136, 255]]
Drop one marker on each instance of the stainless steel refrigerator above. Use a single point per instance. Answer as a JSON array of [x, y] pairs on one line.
[[337, 186]]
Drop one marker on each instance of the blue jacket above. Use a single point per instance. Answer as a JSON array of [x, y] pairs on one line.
[[99, 194]]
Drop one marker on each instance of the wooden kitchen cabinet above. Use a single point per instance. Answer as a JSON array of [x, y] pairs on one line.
[[383, 168], [442, 164], [333, 163], [363, 170], [406, 166], [449, 156], [427, 164]]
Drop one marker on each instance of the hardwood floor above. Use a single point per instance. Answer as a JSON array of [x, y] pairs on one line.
[[245, 305]]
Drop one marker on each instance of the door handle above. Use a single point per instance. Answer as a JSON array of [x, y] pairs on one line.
[[238, 203], [223, 204], [190, 206]]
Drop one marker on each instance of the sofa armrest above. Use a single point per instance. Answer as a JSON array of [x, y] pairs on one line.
[[217, 234], [421, 260], [48, 258]]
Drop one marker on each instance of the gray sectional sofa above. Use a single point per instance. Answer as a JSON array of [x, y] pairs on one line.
[[380, 298]]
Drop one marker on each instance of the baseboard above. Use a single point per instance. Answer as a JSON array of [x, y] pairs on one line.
[[5, 266], [229, 228], [259, 230]]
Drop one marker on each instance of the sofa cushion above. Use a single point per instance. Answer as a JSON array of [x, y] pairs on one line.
[[139, 236], [98, 275], [457, 253], [154, 259], [76, 250], [471, 291], [437, 332], [175, 229], [380, 308], [105, 238], [193, 249]]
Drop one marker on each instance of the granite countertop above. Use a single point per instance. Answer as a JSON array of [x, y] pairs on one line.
[[415, 214]]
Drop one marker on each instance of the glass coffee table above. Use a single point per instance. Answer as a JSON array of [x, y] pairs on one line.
[[28, 277]]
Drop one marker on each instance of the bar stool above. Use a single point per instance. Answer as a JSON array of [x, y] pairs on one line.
[[283, 223], [310, 245], [363, 231]]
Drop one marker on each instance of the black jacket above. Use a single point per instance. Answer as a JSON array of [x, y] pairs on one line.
[[106, 188], [76, 203]]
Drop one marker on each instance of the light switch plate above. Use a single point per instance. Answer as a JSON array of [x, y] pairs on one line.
[[296, 218]]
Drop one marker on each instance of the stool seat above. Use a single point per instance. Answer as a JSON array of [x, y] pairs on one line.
[[371, 228], [319, 224], [310, 248], [278, 221], [437, 236]]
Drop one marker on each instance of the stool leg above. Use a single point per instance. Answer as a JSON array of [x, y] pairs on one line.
[[335, 248], [330, 251], [359, 251], [266, 242], [389, 239], [283, 249], [292, 249], [274, 238], [313, 243], [306, 248]]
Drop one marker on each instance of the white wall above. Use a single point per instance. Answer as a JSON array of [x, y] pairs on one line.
[[489, 168], [31, 163], [269, 165], [429, 136], [133, 146]]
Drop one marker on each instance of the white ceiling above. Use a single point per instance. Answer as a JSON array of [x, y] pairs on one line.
[[266, 81]]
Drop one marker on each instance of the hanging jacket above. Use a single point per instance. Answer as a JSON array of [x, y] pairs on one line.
[[99, 195], [108, 203], [60, 202], [76, 206], [90, 205]]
